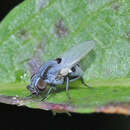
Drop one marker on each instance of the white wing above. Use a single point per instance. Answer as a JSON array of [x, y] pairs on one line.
[[75, 54]]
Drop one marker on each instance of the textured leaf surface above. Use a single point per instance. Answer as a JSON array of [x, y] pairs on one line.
[[46, 29]]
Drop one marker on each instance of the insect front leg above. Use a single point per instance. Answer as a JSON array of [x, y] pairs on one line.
[[83, 82], [30, 96], [49, 91]]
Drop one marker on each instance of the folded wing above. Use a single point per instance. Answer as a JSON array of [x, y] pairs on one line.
[[75, 54]]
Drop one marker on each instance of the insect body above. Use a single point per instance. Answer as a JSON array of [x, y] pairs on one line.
[[61, 70]]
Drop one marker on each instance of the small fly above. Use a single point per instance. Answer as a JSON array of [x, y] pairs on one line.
[[61, 70]]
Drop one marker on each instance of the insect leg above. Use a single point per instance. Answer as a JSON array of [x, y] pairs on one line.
[[49, 91], [67, 84], [83, 82], [30, 96], [67, 87]]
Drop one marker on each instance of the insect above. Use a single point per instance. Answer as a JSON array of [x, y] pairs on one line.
[[62, 70]]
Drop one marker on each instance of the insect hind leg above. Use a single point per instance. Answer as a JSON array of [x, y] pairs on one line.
[[83, 82]]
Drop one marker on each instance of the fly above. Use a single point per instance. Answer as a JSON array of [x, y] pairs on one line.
[[62, 70]]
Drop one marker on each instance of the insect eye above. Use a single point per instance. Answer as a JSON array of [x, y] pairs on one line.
[[73, 69], [58, 60], [41, 84]]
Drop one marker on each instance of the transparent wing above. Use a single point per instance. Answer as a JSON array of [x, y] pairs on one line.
[[75, 54]]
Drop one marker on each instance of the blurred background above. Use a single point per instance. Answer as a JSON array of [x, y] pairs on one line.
[[21, 118]]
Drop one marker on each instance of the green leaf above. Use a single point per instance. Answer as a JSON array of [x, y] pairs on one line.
[[45, 29]]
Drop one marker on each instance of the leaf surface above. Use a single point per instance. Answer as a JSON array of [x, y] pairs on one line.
[[40, 30]]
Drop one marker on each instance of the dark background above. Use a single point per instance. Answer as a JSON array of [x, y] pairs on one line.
[[21, 118]]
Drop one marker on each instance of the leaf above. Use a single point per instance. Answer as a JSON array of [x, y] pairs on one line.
[[44, 29]]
